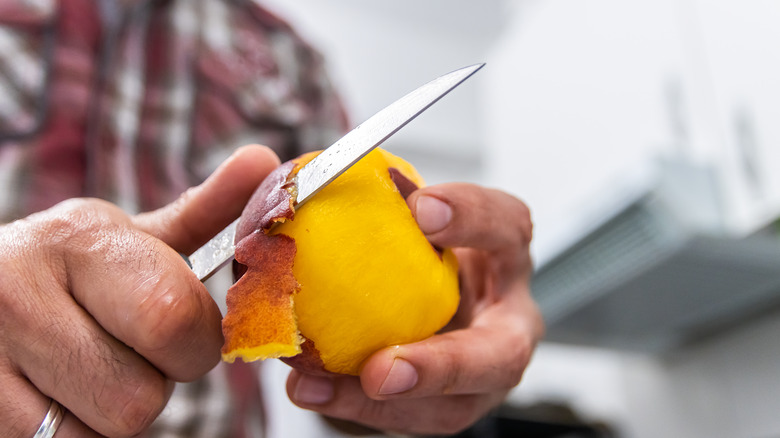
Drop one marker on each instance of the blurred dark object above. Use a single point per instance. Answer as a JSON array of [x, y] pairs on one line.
[[541, 420]]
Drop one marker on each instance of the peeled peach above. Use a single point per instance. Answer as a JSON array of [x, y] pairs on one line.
[[346, 275]]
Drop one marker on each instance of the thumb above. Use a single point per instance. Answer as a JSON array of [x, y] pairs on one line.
[[203, 211]]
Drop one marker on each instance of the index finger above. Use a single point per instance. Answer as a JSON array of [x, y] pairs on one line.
[[138, 289]]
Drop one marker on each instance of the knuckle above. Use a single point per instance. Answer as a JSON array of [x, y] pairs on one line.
[[74, 218], [452, 423], [368, 412], [526, 224], [139, 406], [118, 393], [452, 370], [74, 229], [41, 231], [515, 372], [384, 416], [523, 224], [518, 358], [123, 396], [168, 312]]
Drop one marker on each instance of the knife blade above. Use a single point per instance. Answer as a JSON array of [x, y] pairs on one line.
[[336, 159]]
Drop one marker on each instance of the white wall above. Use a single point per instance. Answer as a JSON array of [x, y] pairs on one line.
[[379, 51], [577, 102], [582, 95]]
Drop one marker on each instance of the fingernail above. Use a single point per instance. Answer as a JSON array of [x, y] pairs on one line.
[[432, 214], [402, 377], [313, 390]]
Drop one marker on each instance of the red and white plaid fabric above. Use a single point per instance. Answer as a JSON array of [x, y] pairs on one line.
[[134, 101]]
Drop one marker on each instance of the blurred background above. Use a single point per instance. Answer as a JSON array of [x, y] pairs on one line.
[[644, 136]]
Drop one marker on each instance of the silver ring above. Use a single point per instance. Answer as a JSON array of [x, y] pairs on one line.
[[51, 421]]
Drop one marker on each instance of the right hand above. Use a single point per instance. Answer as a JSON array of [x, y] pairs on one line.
[[99, 311]]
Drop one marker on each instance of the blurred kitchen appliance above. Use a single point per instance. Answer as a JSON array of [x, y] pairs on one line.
[[660, 270]]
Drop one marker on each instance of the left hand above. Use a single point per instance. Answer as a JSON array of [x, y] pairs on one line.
[[445, 383]]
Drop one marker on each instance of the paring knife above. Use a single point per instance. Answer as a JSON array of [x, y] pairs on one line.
[[337, 158]]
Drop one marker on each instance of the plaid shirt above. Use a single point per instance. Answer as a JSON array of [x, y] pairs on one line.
[[134, 101]]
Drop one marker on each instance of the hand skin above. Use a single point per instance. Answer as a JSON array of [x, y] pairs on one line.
[[99, 311], [444, 384]]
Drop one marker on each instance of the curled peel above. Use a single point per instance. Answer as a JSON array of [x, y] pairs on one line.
[[260, 322], [276, 196]]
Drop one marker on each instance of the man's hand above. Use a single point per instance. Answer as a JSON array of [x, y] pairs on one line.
[[100, 312], [447, 382]]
